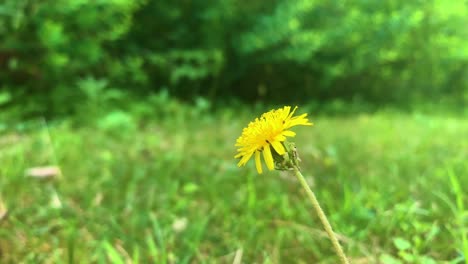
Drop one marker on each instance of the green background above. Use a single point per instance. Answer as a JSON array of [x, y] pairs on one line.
[[139, 104]]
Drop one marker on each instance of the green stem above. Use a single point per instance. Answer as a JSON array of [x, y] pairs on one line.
[[322, 216]]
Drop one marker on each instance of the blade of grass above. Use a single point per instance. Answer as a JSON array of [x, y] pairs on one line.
[[456, 188], [112, 253], [158, 234]]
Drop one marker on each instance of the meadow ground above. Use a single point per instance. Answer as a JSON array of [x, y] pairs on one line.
[[167, 190]]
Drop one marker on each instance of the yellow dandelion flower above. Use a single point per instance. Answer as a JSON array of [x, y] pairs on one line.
[[267, 134]]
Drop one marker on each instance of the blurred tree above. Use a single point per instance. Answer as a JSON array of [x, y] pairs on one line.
[[388, 50], [381, 51], [48, 46]]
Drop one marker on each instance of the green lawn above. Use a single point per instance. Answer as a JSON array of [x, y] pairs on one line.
[[167, 190]]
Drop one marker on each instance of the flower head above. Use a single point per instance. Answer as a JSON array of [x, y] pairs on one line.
[[267, 134]]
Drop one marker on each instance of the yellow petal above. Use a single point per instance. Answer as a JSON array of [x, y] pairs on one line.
[[268, 157], [273, 126], [285, 113], [289, 133], [292, 112], [244, 159], [280, 138], [258, 162], [278, 147], [299, 120]]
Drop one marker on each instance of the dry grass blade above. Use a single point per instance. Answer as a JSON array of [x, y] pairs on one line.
[[44, 173], [3, 210], [238, 257]]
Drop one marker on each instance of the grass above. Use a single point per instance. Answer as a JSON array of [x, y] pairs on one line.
[[167, 190]]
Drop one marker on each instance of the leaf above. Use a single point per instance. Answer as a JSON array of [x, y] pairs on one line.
[[401, 243], [427, 260], [387, 259], [5, 97], [190, 188]]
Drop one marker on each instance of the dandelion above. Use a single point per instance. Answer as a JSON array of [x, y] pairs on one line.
[[267, 135]]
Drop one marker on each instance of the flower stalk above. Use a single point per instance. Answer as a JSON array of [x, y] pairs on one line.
[[323, 218], [267, 136]]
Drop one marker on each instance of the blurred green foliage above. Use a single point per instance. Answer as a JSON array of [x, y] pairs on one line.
[[378, 51]]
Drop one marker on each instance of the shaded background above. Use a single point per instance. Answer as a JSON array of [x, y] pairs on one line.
[[377, 52]]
